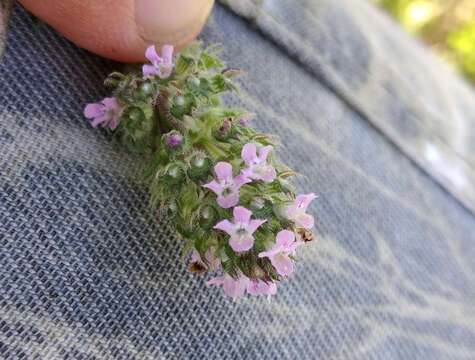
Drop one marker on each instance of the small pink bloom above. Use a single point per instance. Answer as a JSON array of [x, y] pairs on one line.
[[174, 140], [161, 66], [244, 121], [296, 211], [279, 253], [258, 286], [227, 187], [242, 230], [214, 263], [257, 164], [232, 287], [107, 112]]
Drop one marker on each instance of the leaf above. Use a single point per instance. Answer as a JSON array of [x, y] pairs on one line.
[[210, 62]]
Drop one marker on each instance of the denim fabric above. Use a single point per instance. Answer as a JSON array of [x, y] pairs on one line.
[[87, 272]]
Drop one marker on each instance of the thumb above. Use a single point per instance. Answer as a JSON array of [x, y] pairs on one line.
[[122, 29]]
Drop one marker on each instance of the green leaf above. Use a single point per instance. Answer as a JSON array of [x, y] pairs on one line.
[[210, 61]]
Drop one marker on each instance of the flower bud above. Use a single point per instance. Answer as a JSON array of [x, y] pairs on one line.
[[174, 140], [147, 88], [180, 100], [208, 217], [200, 167], [175, 174], [136, 115], [261, 208]]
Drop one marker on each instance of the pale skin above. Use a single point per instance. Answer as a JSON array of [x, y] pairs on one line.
[[122, 29]]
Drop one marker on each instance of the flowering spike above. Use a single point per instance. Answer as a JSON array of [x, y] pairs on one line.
[[184, 132]]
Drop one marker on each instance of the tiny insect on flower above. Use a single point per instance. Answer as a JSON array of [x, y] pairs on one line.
[[242, 230], [197, 267], [227, 187], [107, 113], [306, 235]]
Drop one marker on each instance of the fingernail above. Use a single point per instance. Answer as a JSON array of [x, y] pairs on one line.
[[170, 21]]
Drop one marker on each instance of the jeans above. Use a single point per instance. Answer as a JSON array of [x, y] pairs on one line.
[[378, 129]]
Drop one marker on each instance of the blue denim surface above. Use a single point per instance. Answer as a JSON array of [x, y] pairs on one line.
[[86, 272]]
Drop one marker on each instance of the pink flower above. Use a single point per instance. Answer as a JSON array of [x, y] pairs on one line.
[[258, 286], [257, 165], [232, 287], [242, 230], [214, 263], [296, 211], [279, 253], [226, 187], [161, 66], [244, 121], [174, 140], [107, 112]]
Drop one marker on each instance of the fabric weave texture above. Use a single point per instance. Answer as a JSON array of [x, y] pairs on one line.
[[88, 272]]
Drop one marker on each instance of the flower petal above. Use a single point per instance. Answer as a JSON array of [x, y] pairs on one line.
[[235, 288], [149, 70], [214, 186], [240, 180], [114, 122], [263, 152], [258, 286], [294, 246], [248, 153], [223, 170], [167, 53], [214, 263], [270, 253], [241, 214], [195, 256], [254, 224], [164, 70], [228, 201], [253, 287], [111, 104], [94, 110], [305, 220], [99, 120], [152, 56], [269, 288], [283, 264], [215, 281], [226, 226], [268, 174], [304, 200], [285, 238], [241, 243]]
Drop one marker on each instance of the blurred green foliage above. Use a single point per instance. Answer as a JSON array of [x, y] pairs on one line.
[[446, 25]]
